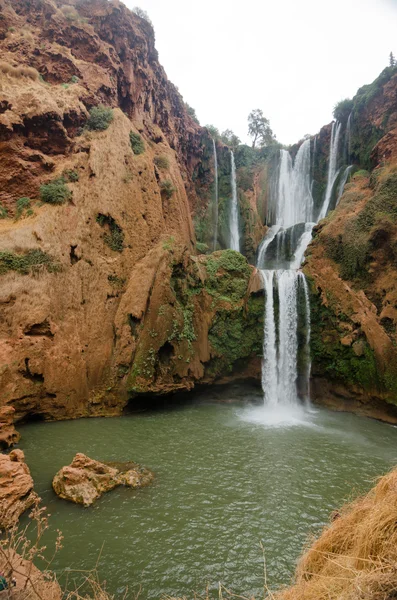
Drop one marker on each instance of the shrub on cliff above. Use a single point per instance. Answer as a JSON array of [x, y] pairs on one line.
[[115, 238], [3, 212], [33, 260], [55, 192], [100, 118], [167, 188], [162, 162], [342, 110], [22, 203], [137, 144]]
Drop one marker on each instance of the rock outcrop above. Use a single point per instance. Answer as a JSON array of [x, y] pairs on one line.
[[16, 488], [8, 434], [85, 480], [30, 582]]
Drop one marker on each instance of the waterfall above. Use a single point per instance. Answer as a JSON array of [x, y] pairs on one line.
[[348, 134], [308, 334], [269, 367], [216, 207], [234, 209], [332, 170], [342, 184]]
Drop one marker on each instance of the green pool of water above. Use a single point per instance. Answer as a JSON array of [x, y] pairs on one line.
[[225, 482]]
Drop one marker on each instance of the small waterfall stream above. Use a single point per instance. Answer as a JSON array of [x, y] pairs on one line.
[[234, 209], [216, 203], [333, 172]]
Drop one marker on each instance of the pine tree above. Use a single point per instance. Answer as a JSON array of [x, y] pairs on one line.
[[392, 60]]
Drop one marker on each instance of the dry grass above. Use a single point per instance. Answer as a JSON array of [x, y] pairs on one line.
[[355, 558], [20, 71]]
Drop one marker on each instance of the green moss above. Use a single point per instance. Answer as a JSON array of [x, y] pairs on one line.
[[236, 334], [55, 192], [137, 143], [70, 175], [162, 162], [3, 212], [24, 264], [100, 118], [114, 238]]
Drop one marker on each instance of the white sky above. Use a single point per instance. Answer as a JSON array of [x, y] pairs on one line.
[[294, 59]]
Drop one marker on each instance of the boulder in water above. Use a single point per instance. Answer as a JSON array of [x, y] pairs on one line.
[[85, 479]]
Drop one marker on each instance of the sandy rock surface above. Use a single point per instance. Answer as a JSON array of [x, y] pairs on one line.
[[16, 488]]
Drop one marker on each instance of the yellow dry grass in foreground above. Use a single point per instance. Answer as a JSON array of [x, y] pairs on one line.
[[355, 558]]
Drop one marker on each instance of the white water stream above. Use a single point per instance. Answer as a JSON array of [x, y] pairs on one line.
[[234, 209]]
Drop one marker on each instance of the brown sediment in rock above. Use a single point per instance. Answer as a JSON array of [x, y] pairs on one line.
[[16, 488], [85, 479]]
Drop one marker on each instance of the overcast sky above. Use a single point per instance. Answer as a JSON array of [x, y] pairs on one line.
[[294, 59]]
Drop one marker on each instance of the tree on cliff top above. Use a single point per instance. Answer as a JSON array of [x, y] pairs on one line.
[[230, 139], [392, 60], [142, 13], [259, 129]]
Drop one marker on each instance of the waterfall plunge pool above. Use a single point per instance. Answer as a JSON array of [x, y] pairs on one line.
[[226, 480]]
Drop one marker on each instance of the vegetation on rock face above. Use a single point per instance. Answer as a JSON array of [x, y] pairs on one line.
[[3, 212], [162, 162], [343, 109], [192, 113], [167, 188], [24, 264], [100, 118], [55, 192], [23, 204], [137, 143], [114, 238]]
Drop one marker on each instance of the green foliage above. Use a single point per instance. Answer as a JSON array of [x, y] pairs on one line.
[[32, 261], [70, 175], [342, 110], [167, 188], [228, 275], [65, 86], [3, 212], [213, 131], [162, 162], [230, 139], [202, 248], [22, 204], [236, 335], [137, 143], [192, 113], [74, 79], [360, 173], [114, 238], [55, 192], [100, 118], [117, 282], [259, 129], [169, 243]]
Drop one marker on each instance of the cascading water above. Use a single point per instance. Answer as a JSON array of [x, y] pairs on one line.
[[348, 139], [234, 210], [216, 207], [343, 181], [333, 172]]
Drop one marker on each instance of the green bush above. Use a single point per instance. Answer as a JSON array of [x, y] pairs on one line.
[[162, 162], [342, 110], [167, 188], [74, 79], [55, 192], [137, 144], [22, 203], [115, 236], [100, 118], [71, 175], [3, 212], [25, 263]]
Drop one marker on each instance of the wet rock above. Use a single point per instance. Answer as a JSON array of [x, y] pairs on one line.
[[16, 488], [8, 434], [85, 479]]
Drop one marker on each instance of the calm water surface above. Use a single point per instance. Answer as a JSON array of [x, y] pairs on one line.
[[225, 482]]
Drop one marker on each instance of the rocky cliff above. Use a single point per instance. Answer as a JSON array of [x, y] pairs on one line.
[[100, 286], [352, 266]]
